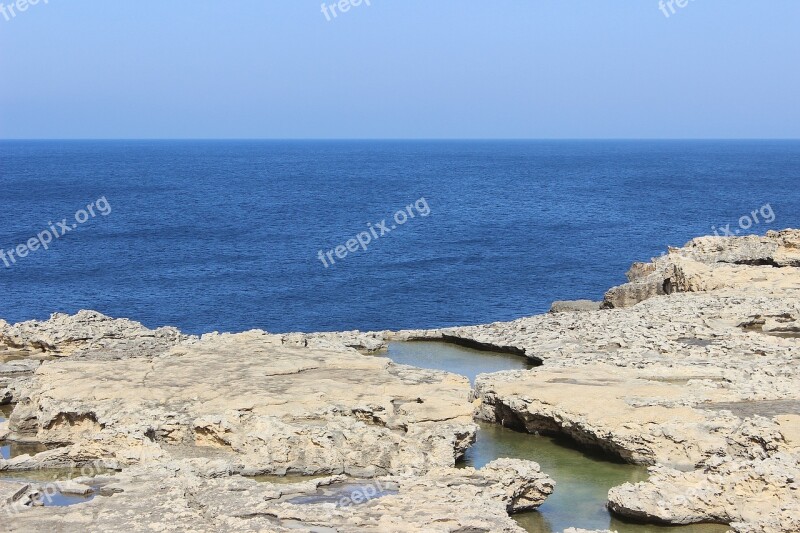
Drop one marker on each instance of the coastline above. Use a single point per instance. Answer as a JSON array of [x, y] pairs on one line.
[[691, 369]]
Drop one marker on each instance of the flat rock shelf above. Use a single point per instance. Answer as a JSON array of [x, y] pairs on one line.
[[675, 403]]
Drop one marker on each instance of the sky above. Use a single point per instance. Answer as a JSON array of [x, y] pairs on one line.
[[96, 69]]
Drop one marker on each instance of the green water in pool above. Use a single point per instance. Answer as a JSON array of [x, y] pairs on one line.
[[583, 479]]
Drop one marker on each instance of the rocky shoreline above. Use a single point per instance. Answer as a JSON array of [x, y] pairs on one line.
[[691, 368]]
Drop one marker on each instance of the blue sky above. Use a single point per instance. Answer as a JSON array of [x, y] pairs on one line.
[[400, 69]]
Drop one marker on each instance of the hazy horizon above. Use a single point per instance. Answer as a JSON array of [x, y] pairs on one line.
[[408, 139]]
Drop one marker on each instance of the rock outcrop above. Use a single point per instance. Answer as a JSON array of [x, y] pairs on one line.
[[25, 346], [192, 495], [14, 493], [570, 306], [85, 333], [269, 407], [759, 495], [703, 383], [184, 418], [692, 368], [709, 263]]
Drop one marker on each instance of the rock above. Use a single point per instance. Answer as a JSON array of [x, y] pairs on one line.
[[178, 496], [754, 495], [85, 331], [12, 492], [12, 375], [692, 370], [708, 263], [70, 487], [574, 306], [519, 484], [616, 410], [363, 342], [27, 345], [265, 406], [776, 248], [15, 497]]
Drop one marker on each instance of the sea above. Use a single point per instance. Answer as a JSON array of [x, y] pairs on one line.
[[341, 235]]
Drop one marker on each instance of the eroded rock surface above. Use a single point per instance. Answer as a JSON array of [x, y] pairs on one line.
[[184, 417], [189, 495], [270, 407], [703, 382], [709, 263], [86, 332], [13, 493], [574, 305], [759, 495], [27, 345], [694, 371]]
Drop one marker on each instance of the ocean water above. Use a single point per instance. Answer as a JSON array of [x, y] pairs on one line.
[[225, 235]]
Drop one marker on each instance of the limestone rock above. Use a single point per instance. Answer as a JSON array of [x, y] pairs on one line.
[[708, 263], [268, 407], [71, 487], [63, 335], [755, 495], [694, 370], [574, 306], [182, 496], [14, 493]]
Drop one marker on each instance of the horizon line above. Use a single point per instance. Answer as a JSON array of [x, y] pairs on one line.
[[378, 139]]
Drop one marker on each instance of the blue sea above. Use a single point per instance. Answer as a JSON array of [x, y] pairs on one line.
[[226, 235]]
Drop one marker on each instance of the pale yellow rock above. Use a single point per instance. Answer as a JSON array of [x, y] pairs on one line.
[[269, 407], [790, 429], [696, 370], [186, 496]]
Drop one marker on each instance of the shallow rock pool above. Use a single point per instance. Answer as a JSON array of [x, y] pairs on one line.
[[453, 358], [582, 479], [48, 479]]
